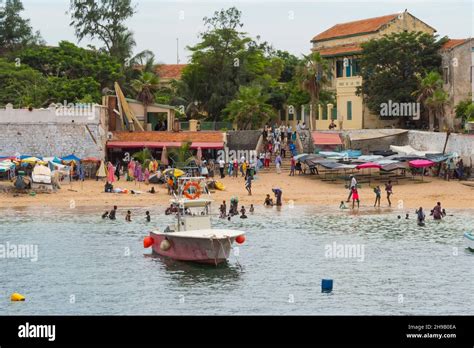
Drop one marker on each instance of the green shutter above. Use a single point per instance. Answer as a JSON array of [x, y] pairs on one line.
[[349, 110]]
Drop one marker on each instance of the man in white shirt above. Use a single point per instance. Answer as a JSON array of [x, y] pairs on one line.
[[221, 167], [352, 184]]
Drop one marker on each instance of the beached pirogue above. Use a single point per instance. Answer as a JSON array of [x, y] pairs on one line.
[[191, 237]]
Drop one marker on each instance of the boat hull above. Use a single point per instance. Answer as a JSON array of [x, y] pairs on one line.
[[201, 250], [469, 240]]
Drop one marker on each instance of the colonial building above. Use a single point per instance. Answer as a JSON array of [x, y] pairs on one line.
[[340, 45], [458, 62]]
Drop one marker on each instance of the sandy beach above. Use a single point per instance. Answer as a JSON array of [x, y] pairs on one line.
[[302, 190]]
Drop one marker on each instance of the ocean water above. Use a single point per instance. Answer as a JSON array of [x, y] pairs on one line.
[[90, 266]]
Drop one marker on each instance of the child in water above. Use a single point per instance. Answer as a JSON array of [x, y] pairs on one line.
[[128, 217], [105, 215], [242, 212], [252, 209], [378, 194], [148, 217], [342, 205], [420, 216]]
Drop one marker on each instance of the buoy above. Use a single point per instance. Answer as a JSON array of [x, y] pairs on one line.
[[240, 239], [148, 242], [326, 285], [17, 297], [165, 245]]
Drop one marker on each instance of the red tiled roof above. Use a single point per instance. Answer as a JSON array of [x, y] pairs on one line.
[[356, 27], [340, 50], [451, 43], [320, 138], [168, 137], [170, 71]]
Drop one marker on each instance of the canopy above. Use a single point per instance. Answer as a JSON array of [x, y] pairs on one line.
[[301, 157], [369, 165], [71, 158], [207, 145], [33, 160], [90, 159], [320, 138], [370, 158], [29, 156], [421, 163], [410, 151], [394, 166]]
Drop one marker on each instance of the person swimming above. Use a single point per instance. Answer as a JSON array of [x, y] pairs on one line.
[[252, 209], [242, 212], [407, 216], [112, 214], [268, 201], [105, 215], [128, 217], [147, 216]]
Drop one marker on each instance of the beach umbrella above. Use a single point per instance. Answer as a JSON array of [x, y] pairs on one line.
[[71, 158], [174, 172], [199, 155], [421, 163], [29, 156], [368, 165], [33, 160], [164, 156], [101, 173]]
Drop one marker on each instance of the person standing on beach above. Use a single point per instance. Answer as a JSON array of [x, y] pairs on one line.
[[293, 166], [352, 184], [378, 194], [388, 189], [278, 164], [278, 193], [236, 168], [118, 168], [221, 168], [355, 197], [248, 184]]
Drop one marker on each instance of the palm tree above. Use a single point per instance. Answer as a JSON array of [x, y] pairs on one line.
[[432, 96], [250, 109], [181, 155], [145, 87], [437, 102], [312, 74]]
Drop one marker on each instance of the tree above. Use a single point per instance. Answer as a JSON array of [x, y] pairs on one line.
[[226, 59], [145, 87], [313, 74], [250, 109], [15, 31], [465, 111], [72, 62], [180, 155], [390, 67], [104, 20], [432, 96], [22, 86]]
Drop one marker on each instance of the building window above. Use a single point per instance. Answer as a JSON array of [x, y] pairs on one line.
[[339, 68], [348, 67], [334, 114], [355, 67], [446, 74], [325, 112], [349, 110]]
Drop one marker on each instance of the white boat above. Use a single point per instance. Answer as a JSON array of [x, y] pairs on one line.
[[41, 178], [191, 237], [469, 239]]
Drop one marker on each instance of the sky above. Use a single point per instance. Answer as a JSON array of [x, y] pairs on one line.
[[286, 25]]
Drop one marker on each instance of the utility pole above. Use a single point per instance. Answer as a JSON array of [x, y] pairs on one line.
[[177, 50]]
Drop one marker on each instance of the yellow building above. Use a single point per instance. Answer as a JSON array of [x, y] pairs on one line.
[[340, 45]]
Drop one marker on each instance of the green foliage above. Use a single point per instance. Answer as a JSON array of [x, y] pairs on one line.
[[390, 66], [72, 62], [180, 155], [431, 94], [15, 31], [465, 110], [103, 20], [312, 75], [250, 109], [22, 86], [143, 156], [83, 89], [145, 87]]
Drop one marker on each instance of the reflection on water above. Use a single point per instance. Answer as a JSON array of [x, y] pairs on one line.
[[103, 264]]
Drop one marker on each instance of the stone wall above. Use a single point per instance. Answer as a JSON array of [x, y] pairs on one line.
[[243, 140], [44, 133]]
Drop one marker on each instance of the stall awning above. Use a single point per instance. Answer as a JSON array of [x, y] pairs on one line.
[[141, 144], [320, 138], [208, 145], [161, 144]]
